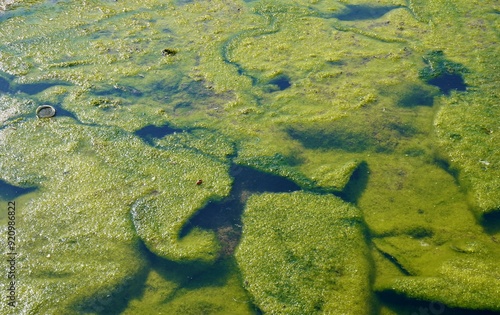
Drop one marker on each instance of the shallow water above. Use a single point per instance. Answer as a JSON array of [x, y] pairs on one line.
[[249, 157]]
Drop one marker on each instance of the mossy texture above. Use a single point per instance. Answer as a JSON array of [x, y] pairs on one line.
[[88, 180], [344, 97], [303, 253], [76, 245], [469, 283], [471, 144], [465, 124], [178, 289]]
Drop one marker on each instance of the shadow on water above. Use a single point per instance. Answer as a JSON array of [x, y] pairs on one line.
[[445, 74], [334, 138], [4, 85], [151, 132], [491, 222], [448, 82], [224, 217], [416, 96], [401, 304], [119, 91], [356, 185], [35, 88], [61, 112], [169, 280], [364, 12], [279, 83], [367, 130], [116, 301], [10, 192]]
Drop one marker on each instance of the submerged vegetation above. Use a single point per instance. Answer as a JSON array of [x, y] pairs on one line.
[[247, 157]]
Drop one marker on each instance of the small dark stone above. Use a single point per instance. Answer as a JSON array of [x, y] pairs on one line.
[[169, 52]]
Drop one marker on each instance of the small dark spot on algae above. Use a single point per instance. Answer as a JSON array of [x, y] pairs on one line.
[[169, 52], [420, 232]]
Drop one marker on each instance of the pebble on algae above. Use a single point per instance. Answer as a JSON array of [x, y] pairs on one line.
[[45, 111]]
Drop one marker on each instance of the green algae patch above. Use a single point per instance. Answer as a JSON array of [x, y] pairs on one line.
[[459, 273], [407, 193], [204, 141], [76, 243], [329, 170], [468, 135], [88, 179], [193, 180], [178, 289], [470, 283], [303, 253], [160, 216], [466, 128]]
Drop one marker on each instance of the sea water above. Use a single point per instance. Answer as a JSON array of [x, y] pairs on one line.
[[249, 157]]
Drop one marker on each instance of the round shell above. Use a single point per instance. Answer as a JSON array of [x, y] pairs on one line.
[[45, 111]]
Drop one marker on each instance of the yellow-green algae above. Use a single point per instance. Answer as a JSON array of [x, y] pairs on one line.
[[303, 253], [176, 289], [75, 245], [354, 81], [77, 233]]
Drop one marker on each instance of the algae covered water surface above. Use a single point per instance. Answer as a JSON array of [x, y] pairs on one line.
[[250, 157]]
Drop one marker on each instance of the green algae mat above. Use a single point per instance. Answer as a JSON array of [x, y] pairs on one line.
[[250, 157]]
